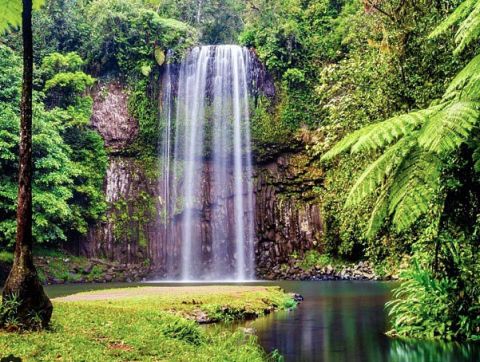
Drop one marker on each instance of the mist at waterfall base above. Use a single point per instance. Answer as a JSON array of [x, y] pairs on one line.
[[205, 184]]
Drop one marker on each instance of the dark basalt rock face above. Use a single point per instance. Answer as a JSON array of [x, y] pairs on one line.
[[284, 222], [288, 217], [287, 214]]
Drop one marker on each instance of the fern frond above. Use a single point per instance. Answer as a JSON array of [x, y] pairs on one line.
[[379, 171], [466, 84], [450, 127], [346, 143], [460, 13], [379, 214], [11, 13], [469, 29], [414, 188], [386, 132]]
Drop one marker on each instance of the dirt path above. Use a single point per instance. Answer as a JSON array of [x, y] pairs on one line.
[[190, 291]]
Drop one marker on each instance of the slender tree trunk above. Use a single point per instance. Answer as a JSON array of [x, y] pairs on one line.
[[34, 308]]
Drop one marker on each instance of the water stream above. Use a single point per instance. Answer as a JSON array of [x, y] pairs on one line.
[[206, 182]]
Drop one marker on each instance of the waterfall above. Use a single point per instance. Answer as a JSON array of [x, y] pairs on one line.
[[206, 191]]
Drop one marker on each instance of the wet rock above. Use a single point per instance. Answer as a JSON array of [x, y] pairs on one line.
[[297, 298]]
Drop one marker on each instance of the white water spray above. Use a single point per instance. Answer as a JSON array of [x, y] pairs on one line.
[[207, 174]]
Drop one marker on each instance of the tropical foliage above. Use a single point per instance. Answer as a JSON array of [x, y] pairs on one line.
[[70, 159], [410, 179], [382, 81]]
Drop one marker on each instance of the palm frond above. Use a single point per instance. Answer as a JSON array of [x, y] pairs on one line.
[[450, 127], [379, 171]]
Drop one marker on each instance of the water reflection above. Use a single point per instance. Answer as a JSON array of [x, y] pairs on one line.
[[345, 321], [338, 321]]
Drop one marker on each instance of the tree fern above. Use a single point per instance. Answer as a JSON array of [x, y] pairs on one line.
[[469, 29], [414, 189], [11, 13], [468, 15], [393, 129], [450, 127], [386, 132], [407, 176], [466, 84], [347, 142], [379, 213], [476, 158], [380, 170]]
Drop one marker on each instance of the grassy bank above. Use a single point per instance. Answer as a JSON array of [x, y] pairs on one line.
[[148, 324]]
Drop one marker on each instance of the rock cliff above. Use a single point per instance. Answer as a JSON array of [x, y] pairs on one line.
[[287, 212]]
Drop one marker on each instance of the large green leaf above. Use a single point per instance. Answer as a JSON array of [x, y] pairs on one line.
[[414, 188], [379, 171], [386, 132], [466, 84], [450, 127], [11, 13], [346, 143], [468, 16]]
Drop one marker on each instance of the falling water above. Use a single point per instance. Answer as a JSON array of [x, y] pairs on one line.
[[207, 172]]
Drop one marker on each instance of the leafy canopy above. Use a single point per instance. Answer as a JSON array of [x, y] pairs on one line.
[[406, 178]]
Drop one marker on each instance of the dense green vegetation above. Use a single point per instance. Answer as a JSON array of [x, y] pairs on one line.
[[342, 66], [70, 159], [385, 82], [429, 168], [126, 39], [148, 325]]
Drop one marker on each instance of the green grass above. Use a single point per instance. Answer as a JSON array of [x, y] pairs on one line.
[[6, 257], [146, 327]]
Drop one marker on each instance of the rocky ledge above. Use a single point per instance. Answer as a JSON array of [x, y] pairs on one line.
[[71, 269], [359, 271], [88, 271]]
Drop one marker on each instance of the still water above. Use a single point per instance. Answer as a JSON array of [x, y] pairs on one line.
[[338, 321]]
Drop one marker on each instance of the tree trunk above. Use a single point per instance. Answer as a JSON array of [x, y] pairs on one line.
[[34, 309]]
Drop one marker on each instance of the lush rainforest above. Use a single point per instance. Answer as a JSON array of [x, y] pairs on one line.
[[383, 96]]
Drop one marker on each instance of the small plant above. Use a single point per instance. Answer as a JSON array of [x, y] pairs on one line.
[[313, 258], [96, 272], [187, 331], [439, 298], [8, 313]]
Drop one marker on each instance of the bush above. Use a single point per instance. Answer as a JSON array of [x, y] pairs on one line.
[[440, 296]]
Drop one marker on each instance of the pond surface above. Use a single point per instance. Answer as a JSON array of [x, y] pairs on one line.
[[338, 321]]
